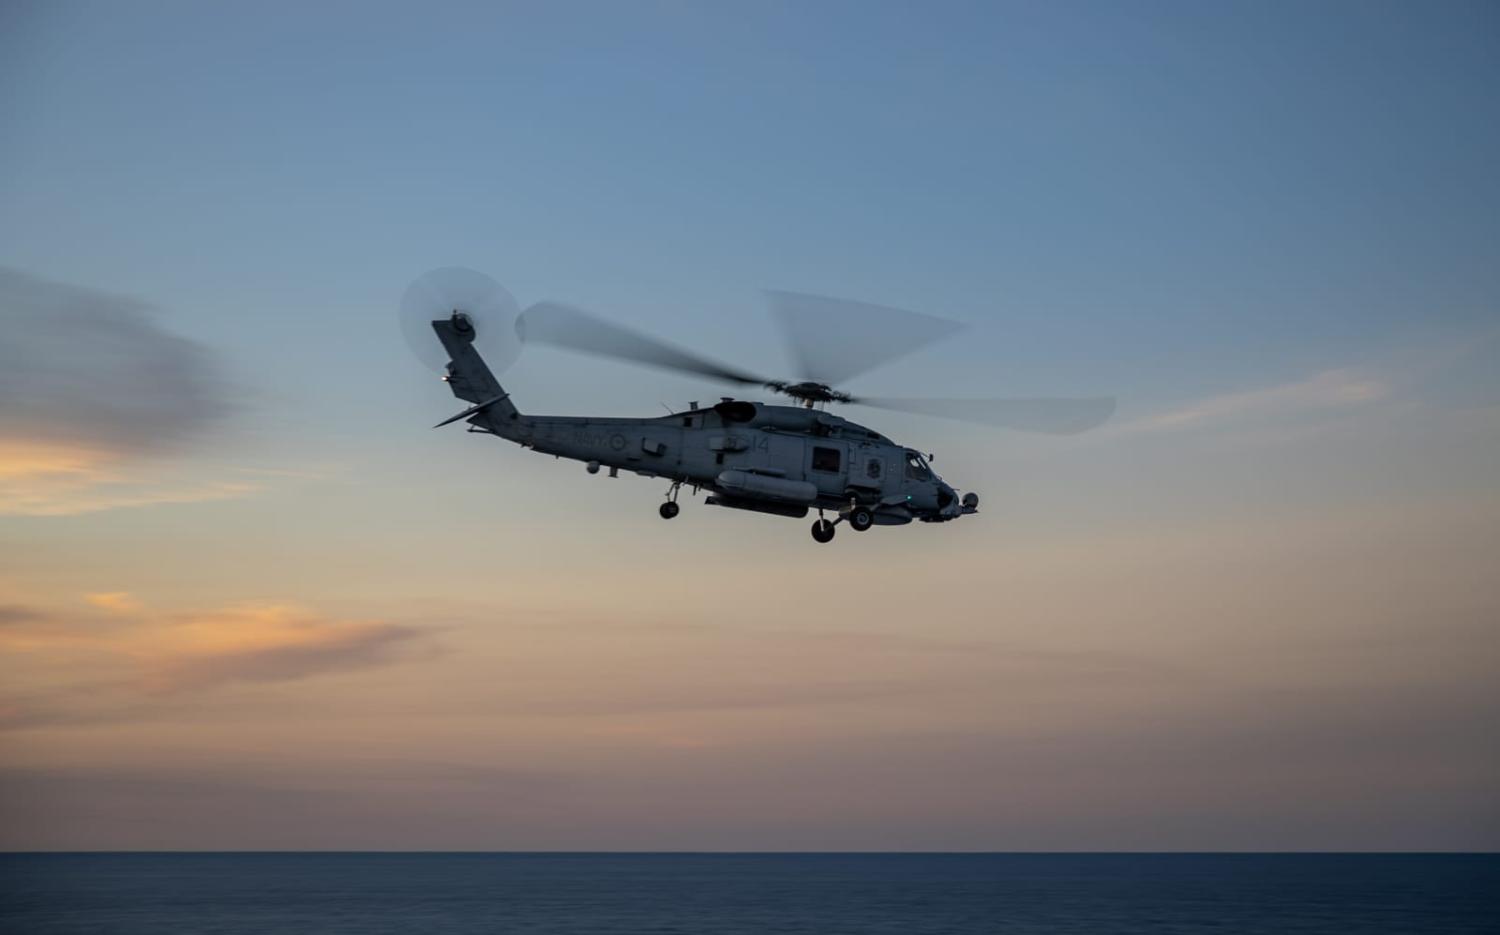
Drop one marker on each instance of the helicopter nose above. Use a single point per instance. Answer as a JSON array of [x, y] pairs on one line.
[[945, 496]]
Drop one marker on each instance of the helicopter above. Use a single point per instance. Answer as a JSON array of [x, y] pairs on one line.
[[778, 459]]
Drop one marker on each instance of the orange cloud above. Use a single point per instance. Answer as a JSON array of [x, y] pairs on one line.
[[39, 478], [260, 643], [119, 602], [20, 458], [60, 666]]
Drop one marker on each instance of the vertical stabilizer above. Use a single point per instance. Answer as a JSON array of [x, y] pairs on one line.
[[468, 376]]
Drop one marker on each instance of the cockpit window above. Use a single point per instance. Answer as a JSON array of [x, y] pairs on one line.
[[916, 468]]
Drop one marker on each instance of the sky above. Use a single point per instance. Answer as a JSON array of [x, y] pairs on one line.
[[250, 599]]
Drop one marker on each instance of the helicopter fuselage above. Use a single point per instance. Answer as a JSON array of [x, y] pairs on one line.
[[783, 460], [774, 459]]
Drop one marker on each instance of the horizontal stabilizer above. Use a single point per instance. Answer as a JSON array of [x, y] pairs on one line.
[[472, 410]]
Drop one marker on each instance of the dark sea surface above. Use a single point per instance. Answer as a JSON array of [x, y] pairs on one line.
[[560, 894]]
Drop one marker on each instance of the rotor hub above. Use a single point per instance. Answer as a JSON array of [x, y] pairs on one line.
[[809, 392]]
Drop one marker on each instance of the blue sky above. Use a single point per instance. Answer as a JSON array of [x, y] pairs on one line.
[[1229, 181], [1271, 229]]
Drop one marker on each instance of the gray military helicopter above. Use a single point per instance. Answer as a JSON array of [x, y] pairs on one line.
[[785, 460]]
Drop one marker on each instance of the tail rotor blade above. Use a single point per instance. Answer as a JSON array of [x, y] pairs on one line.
[[576, 330], [1045, 415], [832, 340]]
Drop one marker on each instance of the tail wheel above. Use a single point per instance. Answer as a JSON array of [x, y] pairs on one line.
[[669, 510], [861, 519], [822, 530]]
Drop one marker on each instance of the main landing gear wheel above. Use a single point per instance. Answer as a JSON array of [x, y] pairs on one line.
[[669, 510], [861, 519], [822, 530]]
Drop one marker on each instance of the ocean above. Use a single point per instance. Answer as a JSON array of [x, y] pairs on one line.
[[704, 894]]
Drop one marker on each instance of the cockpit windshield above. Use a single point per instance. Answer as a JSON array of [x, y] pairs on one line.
[[916, 468]]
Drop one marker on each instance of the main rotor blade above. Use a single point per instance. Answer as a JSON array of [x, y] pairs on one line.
[[831, 340], [577, 330], [1050, 416]]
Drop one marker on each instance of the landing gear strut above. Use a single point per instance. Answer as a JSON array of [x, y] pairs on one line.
[[670, 508]]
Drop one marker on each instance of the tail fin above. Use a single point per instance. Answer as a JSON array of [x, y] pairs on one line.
[[469, 377]]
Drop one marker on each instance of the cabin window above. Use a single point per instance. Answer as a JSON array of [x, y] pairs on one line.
[[687, 421], [872, 469], [825, 459]]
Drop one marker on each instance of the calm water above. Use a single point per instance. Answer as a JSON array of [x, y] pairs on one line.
[[438, 894]]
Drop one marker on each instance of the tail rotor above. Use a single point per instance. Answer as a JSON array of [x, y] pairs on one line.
[[473, 301]]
